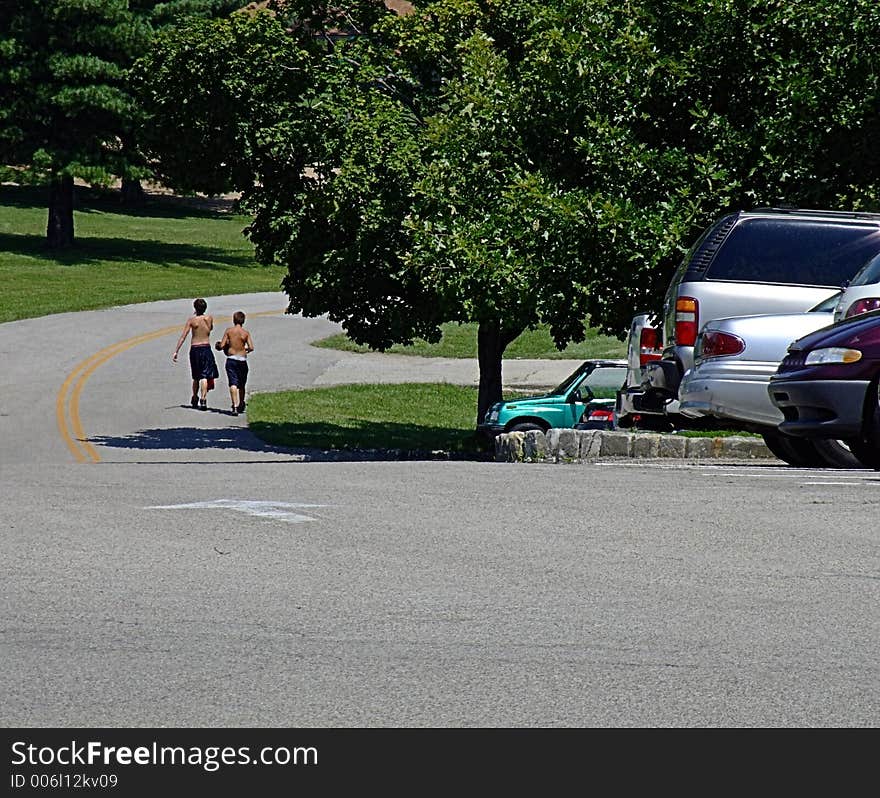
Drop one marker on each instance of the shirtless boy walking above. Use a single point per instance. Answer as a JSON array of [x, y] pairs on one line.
[[201, 358], [236, 342]]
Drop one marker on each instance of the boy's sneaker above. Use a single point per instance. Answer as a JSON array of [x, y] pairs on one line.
[[234, 410], [203, 404], [240, 407], [194, 401]]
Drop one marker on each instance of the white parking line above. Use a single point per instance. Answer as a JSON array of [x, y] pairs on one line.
[[793, 474], [805, 476], [832, 483]]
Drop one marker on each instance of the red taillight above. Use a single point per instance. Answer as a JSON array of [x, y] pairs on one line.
[[862, 306], [601, 415], [649, 346], [687, 317], [717, 344]]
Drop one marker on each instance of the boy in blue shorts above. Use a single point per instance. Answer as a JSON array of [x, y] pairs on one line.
[[236, 343]]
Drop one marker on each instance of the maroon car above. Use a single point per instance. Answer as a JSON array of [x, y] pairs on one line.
[[827, 386]]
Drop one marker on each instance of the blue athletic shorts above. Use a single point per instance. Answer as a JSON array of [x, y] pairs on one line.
[[236, 372]]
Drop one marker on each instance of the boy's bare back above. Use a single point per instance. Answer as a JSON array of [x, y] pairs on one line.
[[200, 329], [236, 341]]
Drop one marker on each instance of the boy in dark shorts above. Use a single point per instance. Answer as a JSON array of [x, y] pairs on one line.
[[201, 358], [236, 343]]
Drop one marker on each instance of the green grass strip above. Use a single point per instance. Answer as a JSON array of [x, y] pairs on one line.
[[413, 417]]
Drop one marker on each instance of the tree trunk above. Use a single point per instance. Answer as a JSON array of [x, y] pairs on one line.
[[59, 230], [492, 340], [132, 192]]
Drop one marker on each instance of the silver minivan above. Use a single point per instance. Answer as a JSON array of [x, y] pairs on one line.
[[766, 260]]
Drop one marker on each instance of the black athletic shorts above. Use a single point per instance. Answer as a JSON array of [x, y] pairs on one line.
[[202, 363]]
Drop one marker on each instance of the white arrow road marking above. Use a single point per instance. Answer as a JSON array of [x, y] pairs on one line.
[[280, 511]]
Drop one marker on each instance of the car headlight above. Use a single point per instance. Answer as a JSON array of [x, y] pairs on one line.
[[834, 354], [492, 415]]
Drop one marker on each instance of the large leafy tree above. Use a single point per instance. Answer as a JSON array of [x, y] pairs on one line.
[[307, 123], [67, 110], [222, 102], [520, 162]]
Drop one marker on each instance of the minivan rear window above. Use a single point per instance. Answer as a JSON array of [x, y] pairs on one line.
[[795, 252]]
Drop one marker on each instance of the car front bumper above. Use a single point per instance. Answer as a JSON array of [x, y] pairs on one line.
[[820, 408], [490, 430]]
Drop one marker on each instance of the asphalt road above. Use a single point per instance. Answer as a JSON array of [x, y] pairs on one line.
[[161, 568]]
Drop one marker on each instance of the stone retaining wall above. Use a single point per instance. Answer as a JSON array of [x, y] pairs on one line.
[[574, 446]]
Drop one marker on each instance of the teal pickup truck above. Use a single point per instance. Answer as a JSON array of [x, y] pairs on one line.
[[584, 400]]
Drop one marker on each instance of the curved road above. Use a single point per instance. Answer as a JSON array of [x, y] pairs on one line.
[[161, 567]]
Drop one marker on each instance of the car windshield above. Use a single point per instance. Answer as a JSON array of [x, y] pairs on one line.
[[602, 380], [827, 305], [571, 380], [869, 273]]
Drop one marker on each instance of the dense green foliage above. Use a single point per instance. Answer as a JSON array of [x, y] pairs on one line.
[[220, 98], [519, 163]]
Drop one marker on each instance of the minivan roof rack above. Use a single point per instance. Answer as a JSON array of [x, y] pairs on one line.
[[813, 212]]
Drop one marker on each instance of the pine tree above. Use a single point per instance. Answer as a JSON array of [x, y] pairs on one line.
[[67, 112]]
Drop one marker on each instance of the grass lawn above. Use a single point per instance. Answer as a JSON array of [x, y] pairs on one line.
[[412, 417], [168, 249]]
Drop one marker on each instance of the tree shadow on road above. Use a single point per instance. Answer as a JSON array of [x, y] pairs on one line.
[[368, 434], [187, 438], [241, 439]]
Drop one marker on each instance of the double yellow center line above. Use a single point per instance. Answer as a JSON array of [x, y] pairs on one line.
[[67, 402]]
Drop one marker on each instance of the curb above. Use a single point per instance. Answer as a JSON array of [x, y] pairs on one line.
[[578, 446]]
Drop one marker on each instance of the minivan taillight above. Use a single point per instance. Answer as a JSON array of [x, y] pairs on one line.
[[862, 306], [649, 346], [715, 343], [687, 316]]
